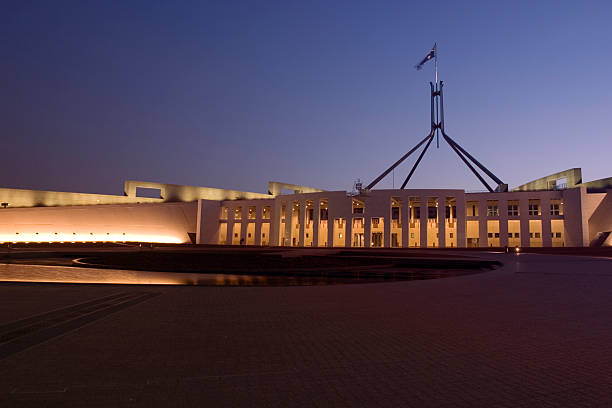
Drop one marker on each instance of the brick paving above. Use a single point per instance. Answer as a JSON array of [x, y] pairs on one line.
[[535, 333]]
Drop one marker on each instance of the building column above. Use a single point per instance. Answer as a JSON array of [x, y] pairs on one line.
[[275, 223], [483, 240], [302, 221], [288, 223], [243, 225], [348, 231], [229, 237], [367, 228], [405, 218], [546, 227], [387, 227], [442, 222], [330, 226], [524, 219], [316, 219], [423, 221], [258, 221], [503, 222], [460, 218]]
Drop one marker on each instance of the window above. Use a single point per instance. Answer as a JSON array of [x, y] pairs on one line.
[[417, 212], [509, 235], [324, 213], [375, 222], [490, 235], [554, 209], [358, 206], [265, 212], [395, 211], [538, 235], [448, 211], [517, 235], [412, 235], [472, 208], [534, 209], [557, 235], [497, 235], [432, 212], [492, 211], [223, 215], [513, 210], [451, 234]]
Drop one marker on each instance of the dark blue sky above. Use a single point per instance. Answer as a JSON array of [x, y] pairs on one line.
[[232, 94]]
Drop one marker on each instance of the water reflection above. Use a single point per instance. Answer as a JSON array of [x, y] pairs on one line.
[[67, 274]]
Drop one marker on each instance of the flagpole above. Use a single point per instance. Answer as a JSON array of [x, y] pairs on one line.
[[436, 64]]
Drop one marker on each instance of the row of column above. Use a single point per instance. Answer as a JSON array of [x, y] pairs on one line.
[[342, 207], [523, 217]]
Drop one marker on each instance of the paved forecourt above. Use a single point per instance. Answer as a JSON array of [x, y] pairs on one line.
[[537, 332]]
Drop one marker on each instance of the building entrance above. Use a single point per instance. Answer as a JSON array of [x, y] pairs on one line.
[[358, 240], [377, 239]]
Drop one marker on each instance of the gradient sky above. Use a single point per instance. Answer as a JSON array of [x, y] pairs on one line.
[[232, 94]]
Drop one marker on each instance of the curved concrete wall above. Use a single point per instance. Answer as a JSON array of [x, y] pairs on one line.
[[164, 222]]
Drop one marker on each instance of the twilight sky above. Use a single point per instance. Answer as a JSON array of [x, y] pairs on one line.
[[232, 94]]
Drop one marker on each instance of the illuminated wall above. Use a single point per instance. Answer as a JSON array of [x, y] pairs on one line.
[[164, 223]]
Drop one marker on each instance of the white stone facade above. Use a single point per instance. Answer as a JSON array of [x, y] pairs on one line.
[[398, 218], [580, 214]]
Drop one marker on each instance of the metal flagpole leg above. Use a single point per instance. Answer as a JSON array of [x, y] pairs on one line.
[[476, 162], [397, 163], [467, 163], [431, 136]]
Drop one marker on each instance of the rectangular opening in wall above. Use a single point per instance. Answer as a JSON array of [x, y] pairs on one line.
[[561, 184], [493, 233], [492, 208], [265, 212], [323, 224], [450, 214], [556, 227], [433, 240], [339, 232], [222, 233], [472, 234], [471, 208], [223, 214], [535, 233], [514, 233], [250, 238], [147, 192], [265, 233], [513, 208], [358, 206], [358, 231], [534, 207], [556, 207], [377, 228], [396, 222]]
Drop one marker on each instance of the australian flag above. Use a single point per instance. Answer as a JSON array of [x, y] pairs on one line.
[[430, 55]]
